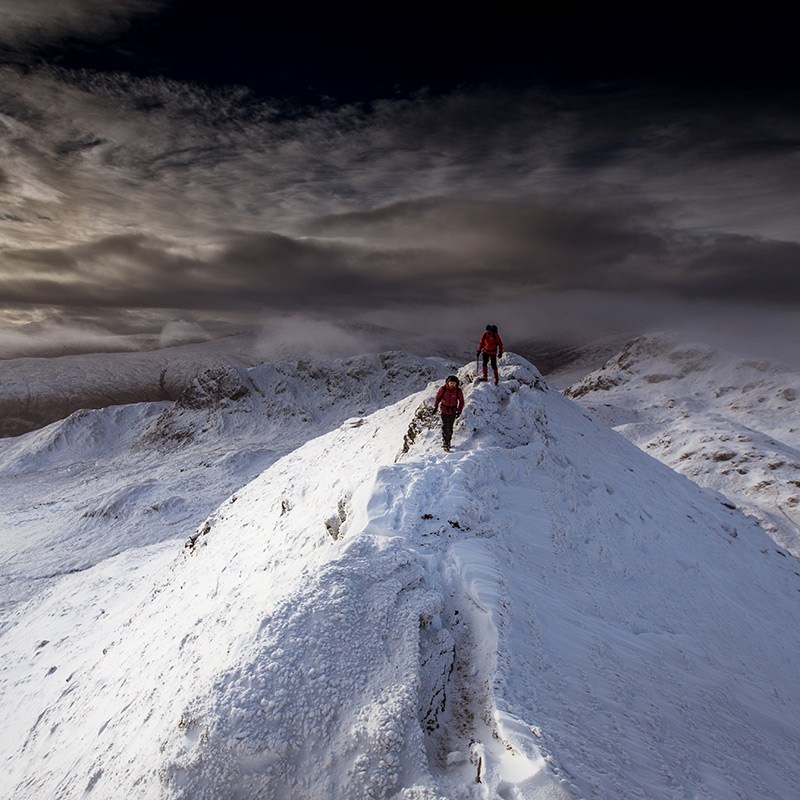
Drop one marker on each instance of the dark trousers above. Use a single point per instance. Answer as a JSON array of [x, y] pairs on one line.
[[448, 420], [493, 357]]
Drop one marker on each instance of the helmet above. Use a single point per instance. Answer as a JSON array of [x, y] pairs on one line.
[[493, 328], [452, 378], [489, 327]]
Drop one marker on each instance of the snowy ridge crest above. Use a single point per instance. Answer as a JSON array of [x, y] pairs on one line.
[[419, 679], [544, 612]]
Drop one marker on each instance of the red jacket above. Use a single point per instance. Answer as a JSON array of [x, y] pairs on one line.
[[490, 343], [452, 400]]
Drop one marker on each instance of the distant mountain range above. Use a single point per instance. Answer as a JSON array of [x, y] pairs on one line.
[[35, 391]]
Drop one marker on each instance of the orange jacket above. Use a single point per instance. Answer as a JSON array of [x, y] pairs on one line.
[[490, 343]]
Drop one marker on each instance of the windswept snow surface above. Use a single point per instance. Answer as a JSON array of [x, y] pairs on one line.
[[732, 424], [545, 612], [106, 480]]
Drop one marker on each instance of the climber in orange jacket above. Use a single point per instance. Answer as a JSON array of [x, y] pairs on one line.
[[490, 346]]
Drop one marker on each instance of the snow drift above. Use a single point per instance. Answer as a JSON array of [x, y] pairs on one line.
[[545, 612]]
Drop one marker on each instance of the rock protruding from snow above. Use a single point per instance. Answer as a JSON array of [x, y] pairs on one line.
[[213, 392], [288, 399], [215, 387]]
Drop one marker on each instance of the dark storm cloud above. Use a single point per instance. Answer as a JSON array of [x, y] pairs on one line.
[[663, 133], [464, 251], [234, 162], [117, 271], [138, 196], [571, 242], [248, 270], [744, 268], [30, 23]]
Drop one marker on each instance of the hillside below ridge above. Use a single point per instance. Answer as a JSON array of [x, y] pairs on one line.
[[545, 612], [730, 423], [105, 480], [227, 400]]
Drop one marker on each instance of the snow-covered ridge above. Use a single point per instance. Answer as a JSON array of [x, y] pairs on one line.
[[102, 481], [37, 391], [729, 423], [545, 612]]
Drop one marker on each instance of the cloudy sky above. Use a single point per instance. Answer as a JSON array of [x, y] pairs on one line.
[[591, 167]]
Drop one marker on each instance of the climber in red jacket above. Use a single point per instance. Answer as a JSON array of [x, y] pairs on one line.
[[490, 346], [451, 399]]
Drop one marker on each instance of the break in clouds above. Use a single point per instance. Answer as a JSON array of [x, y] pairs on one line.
[[138, 201]]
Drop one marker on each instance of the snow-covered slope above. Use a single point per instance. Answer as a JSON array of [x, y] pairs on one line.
[[37, 391], [566, 361], [545, 612], [729, 423], [102, 481]]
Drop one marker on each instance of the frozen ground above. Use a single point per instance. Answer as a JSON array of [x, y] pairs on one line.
[[545, 612]]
